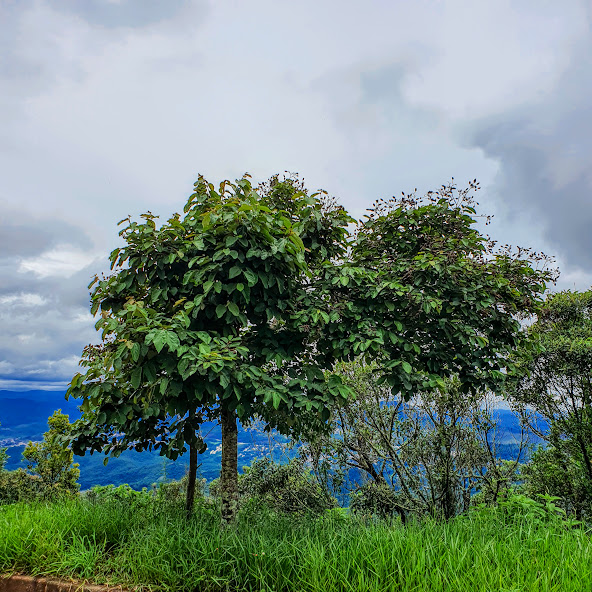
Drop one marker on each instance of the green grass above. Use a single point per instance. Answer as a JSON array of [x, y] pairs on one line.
[[154, 547]]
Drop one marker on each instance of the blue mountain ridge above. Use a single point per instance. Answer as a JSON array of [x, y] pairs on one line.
[[23, 418]]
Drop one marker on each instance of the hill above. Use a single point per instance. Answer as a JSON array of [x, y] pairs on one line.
[[23, 416]]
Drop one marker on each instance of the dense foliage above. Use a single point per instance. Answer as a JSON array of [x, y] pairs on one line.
[[288, 488], [240, 308], [203, 319], [554, 394], [431, 297]]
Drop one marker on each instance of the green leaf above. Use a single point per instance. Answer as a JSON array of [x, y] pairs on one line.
[[407, 367], [159, 340], [251, 277], [135, 352], [172, 340], [233, 308], [234, 271], [136, 377], [276, 400], [220, 310], [163, 385]]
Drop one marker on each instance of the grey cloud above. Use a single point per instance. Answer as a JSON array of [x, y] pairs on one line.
[[383, 86], [544, 152], [126, 13], [45, 321], [24, 235]]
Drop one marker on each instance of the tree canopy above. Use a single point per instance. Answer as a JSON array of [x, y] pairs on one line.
[[240, 307], [201, 320], [430, 296]]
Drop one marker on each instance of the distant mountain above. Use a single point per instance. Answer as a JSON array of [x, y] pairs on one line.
[[23, 416]]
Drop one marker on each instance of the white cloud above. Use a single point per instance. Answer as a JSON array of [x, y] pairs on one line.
[[27, 300], [63, 261]]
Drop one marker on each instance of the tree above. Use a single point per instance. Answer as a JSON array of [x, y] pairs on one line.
[[429, 297], [554, 393], [202, 320], [423, 456], [51, 459], [241, 307]]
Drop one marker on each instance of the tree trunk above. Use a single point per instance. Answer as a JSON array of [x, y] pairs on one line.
[[229, 473], [191, 479]]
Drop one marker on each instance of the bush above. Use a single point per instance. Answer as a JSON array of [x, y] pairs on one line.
[[375, 498], [124, 494], [287, 488], [175, 492], [556, 471], [19, 486], [541, 511]]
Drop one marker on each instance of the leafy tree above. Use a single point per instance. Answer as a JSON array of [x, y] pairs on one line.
[[429, 296], [51, 459], [202, 320], [240, 307], [554, 393], [422, 456]]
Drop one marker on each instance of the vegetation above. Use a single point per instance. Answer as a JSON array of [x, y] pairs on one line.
[[50, 471], [3, 458], [204, 319], [240, 309], [288, 488], [51, 459], [554, 395], [381, 349], [521, 546], [436, 298], [427, 455]]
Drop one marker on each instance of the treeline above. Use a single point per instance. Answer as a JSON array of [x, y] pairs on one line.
[[378, 347], [435, 454]]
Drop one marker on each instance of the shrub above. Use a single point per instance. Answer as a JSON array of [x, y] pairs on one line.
[[375, 498], [287, 488], [123, 494], [20, 486], [174, 492]]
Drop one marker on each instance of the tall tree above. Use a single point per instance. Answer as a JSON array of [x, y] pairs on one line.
[[554, 392], [201, 321]]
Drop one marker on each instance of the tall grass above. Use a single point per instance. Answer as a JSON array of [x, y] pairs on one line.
[[156, 547]]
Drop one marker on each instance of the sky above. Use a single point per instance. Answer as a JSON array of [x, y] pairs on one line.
[[113, 107]]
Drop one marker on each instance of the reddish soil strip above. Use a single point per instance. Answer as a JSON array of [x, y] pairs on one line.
[[32, 584]]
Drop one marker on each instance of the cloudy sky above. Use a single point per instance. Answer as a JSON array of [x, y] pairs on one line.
[[112, 107]]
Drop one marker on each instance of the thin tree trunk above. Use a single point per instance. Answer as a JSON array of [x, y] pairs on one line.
[[191, 479], [229, 473]]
